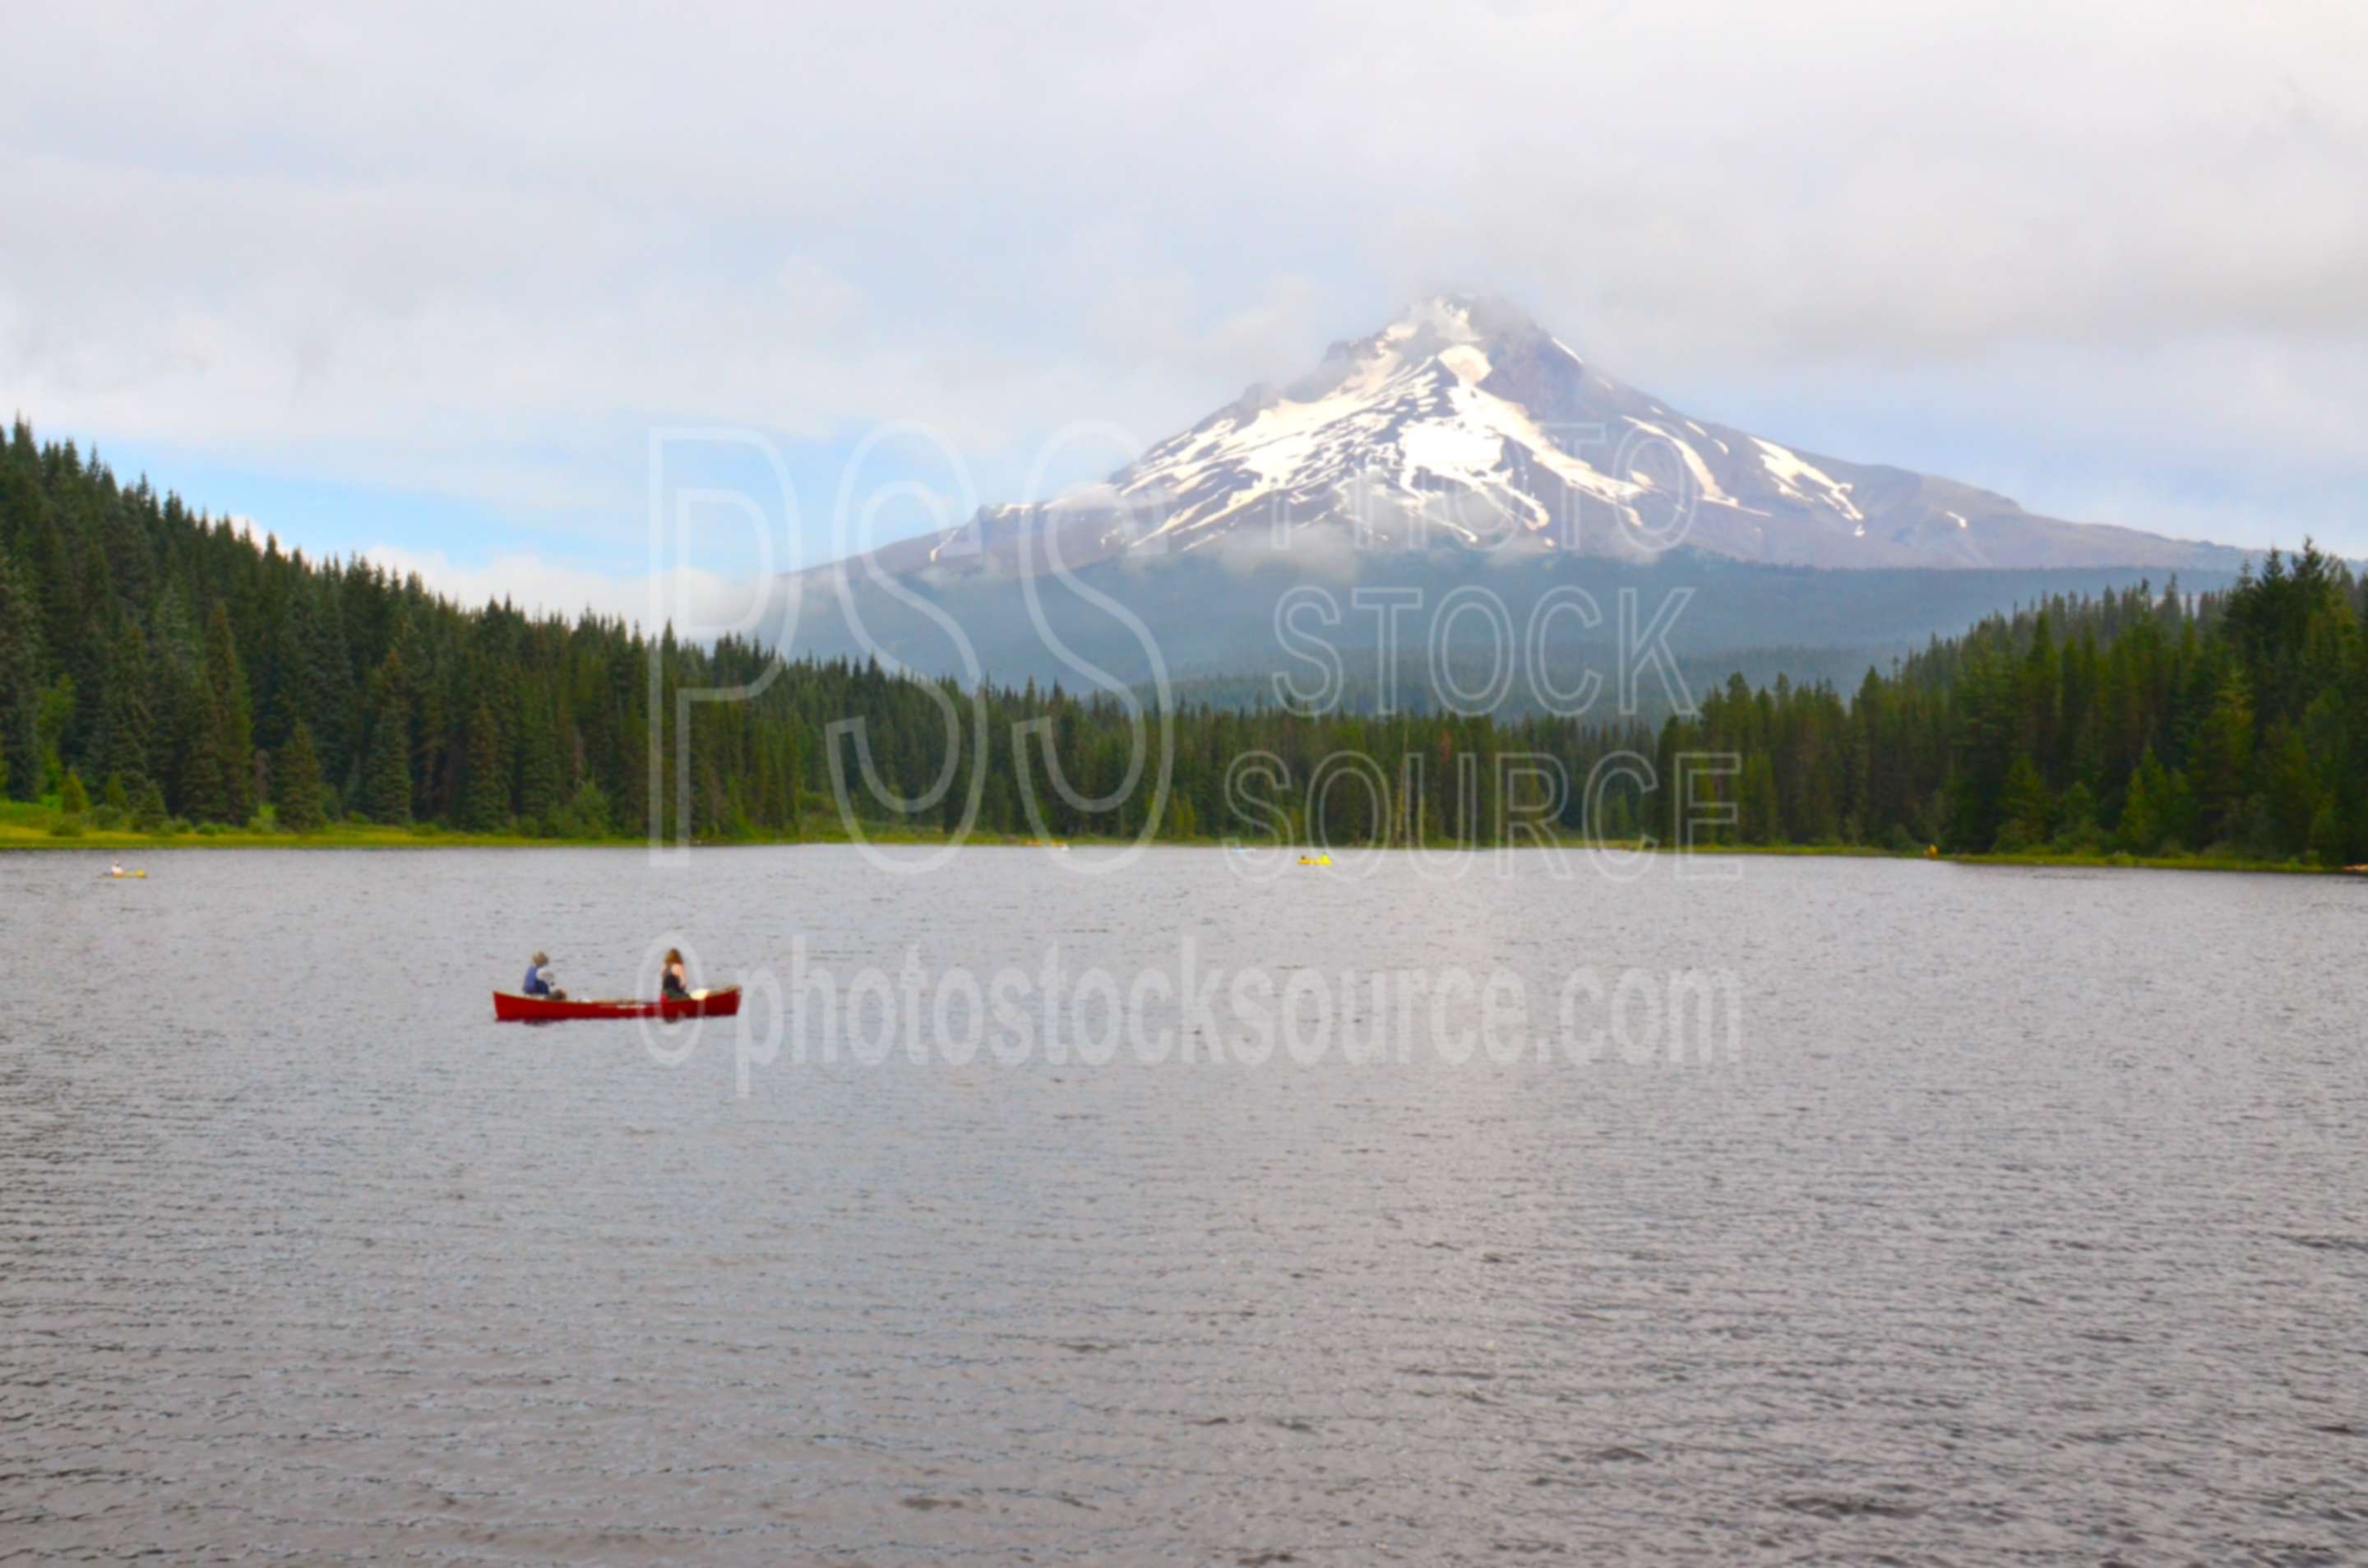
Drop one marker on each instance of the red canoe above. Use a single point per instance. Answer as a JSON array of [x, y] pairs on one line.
[[509, 1007]]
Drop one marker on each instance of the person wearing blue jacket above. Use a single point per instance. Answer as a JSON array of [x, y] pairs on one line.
[[538, 983]]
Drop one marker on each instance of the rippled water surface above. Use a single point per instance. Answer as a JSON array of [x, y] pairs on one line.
[[2027, 1222]]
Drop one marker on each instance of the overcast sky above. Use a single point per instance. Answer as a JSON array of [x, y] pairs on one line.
[[424, 279]]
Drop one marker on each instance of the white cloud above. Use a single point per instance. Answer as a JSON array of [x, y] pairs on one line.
[[1329, 553], [698, 604], [339, 244]]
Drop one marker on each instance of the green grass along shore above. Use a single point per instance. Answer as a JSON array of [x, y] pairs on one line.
[[34, 826]]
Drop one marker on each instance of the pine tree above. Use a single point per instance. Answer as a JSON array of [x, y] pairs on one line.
[[204, 796], [233, 744], [484, 798], [2075, 822], [538, 779], [73, 799], [148, 810], [792, 811], [299, 782], [2141, 825], [122, 746], [279, 673], [20, 744], [179, 709], [52, 725], [2223, 759], [2292, 792], [386, 788], [2028, 807], [1758, 803], [328, 682], [586, 815], [2330, 838], [84, 653]]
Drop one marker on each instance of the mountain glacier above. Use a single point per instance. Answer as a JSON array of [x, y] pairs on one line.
[[1464, 425]]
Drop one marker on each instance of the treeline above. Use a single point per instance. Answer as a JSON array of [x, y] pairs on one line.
[[2231, 723], [160, 669]]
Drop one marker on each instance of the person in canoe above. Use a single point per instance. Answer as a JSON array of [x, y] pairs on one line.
[[537, 983], [674, 982]]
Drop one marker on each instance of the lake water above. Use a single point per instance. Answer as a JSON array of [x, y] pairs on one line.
[[2001, 1215]]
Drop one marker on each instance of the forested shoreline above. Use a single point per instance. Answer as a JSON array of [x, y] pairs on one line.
[[164, 672], [2232, 724]]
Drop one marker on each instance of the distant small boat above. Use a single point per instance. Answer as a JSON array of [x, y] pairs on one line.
[[121, 876], [509, 1007], [1315, 859]]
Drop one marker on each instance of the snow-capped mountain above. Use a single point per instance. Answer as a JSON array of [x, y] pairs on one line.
[[1464, 425]]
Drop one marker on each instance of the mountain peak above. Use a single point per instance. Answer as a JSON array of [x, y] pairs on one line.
[[1450, 317], [1486, 314], [1459, 318], [1462, 421]]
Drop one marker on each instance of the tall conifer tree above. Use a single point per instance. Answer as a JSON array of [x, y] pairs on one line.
[[297, 782]]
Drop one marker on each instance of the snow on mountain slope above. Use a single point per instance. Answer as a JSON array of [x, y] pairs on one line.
[[1465, 425]]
